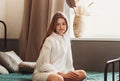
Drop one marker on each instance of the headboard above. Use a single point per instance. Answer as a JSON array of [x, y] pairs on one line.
[[5, 34]]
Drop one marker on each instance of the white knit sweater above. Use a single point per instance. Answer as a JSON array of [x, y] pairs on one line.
[[55, 55]]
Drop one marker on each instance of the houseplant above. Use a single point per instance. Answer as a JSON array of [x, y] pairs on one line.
[[79, 11]]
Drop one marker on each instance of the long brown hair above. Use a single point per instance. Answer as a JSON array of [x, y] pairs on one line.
[[53, 24]]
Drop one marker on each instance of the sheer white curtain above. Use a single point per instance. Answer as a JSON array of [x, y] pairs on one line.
[[103, 20]]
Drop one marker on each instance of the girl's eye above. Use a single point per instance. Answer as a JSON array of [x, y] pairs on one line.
[[58, 24], [64, 24]]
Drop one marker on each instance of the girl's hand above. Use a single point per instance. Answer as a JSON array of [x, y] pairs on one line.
[[70, 76], [78, 75], [73, 75]]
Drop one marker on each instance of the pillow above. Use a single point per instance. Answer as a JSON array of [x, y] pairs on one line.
[[3, 70], [13, 55], [8, 62], [27, 67]]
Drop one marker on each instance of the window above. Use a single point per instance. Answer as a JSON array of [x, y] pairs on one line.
[[103, 22]]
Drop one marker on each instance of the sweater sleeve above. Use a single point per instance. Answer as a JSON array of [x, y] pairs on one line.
[[43, 62], [69, 63]]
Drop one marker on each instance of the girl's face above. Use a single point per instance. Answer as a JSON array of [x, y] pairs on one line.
[[61, 26]]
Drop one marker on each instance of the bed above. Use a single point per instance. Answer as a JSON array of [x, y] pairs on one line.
[[114, 76], [91, 76], [11, 66], [22, 71], [16, 77]]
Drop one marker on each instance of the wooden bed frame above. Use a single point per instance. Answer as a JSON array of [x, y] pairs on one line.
[[112, 62]]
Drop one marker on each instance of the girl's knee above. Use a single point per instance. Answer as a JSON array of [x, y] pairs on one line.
[[55, 77], [82, 74]]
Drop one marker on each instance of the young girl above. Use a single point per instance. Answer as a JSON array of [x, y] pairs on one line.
[[55, 61]]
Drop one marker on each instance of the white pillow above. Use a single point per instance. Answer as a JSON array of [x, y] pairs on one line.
[[3, 70], [13, 55], [8, 62]]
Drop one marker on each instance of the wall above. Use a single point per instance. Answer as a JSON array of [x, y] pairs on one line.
[[14, 15], [11, 12], [2, 15], [12, 44], [92, 55]]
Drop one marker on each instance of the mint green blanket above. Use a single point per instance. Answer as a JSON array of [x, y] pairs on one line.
[[16, 77], [99, 76], [91, 76]]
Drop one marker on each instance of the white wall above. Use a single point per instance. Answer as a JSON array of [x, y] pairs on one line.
[[2, 15], [13, 13]]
